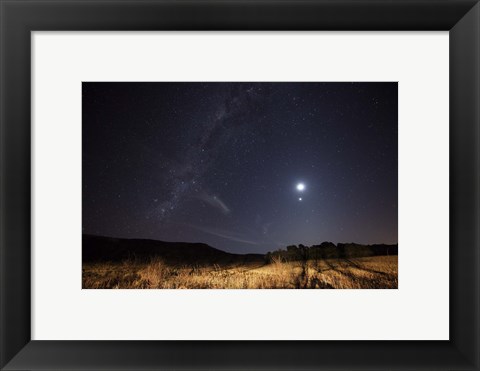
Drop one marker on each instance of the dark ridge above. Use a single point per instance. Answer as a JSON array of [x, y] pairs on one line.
[[99, 248]]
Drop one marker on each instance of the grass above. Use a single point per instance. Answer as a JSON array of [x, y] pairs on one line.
[[377, 272]]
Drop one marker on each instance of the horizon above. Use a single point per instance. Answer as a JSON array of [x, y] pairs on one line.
[[244, 253]]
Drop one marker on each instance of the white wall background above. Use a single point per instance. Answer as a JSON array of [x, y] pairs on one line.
[[417, 310]]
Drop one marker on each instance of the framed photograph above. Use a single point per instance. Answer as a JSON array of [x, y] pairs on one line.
[[248, 167], [239, 185]]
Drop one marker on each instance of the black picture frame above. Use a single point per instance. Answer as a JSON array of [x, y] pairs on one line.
[[19, 17]]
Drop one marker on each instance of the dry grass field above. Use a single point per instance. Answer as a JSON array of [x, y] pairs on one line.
[[375, 272]]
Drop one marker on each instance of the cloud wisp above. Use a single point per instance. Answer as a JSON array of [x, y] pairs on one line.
[[228, 235]]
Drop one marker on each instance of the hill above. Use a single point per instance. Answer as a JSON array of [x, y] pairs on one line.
[[99, 248]]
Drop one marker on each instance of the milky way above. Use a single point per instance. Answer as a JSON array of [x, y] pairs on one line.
[[244, 167]]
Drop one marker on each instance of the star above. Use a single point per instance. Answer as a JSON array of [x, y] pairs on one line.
[[299, 199]]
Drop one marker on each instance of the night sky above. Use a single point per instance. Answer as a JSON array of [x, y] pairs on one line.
[[225, 163]]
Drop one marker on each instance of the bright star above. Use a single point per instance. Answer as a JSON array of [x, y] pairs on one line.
[[300, 187], [299, 199]]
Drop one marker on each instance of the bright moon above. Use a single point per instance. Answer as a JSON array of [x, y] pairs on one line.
[[300, 187]]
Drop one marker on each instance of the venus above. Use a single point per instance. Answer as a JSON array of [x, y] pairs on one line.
[[300, 187]]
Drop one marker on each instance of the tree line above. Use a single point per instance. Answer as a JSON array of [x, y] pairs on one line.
[[328, 250]]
